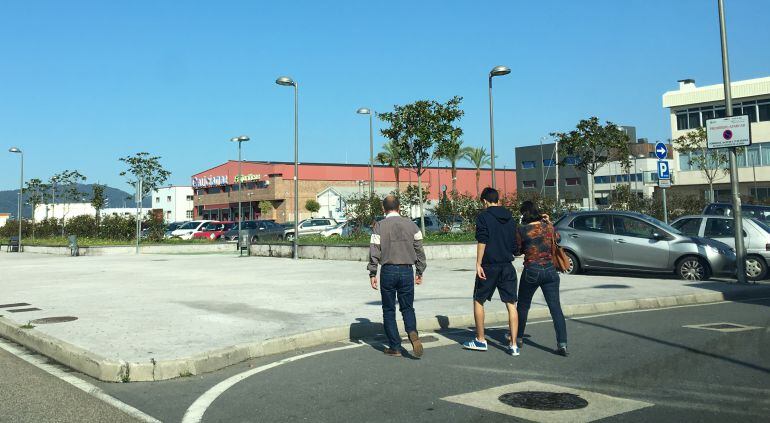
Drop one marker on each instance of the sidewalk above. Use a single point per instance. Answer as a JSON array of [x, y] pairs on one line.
[[148, 309]]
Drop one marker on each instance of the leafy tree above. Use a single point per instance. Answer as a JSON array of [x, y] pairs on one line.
[[411, 196], [37, 193], [712, 163], [363, 210], [65, 186], [416, 129], [312, 206], [479, 157], [592, 145], [390, 156], [97, 200], [452, 150], [444, 211], [147, 168], [265, 208]]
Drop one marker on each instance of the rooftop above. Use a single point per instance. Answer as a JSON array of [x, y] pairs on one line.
[[689, 94]]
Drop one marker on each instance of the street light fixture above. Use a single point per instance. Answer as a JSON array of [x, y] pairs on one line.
[[496, 71], [288, 82], [365, 111], [240, 140], [18, 151]]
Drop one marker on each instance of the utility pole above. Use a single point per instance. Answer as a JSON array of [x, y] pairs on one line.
[[740, 251]]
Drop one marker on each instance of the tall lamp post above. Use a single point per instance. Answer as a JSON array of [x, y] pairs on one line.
[[496, 71], [365, 111], [240, 140], [288, 82], [21, 187]]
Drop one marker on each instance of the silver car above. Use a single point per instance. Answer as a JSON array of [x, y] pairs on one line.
[[310, 227], [756, 236], [628, 241]]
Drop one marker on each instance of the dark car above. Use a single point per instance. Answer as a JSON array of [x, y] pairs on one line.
[[256, 231], [629, 241]]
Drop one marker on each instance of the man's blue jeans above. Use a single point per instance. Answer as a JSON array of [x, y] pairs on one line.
[[397, 281]]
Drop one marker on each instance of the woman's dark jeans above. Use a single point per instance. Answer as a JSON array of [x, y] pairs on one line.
[[547, 279]]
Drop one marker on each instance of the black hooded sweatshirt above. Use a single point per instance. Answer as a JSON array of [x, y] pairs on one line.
[[495, 228]]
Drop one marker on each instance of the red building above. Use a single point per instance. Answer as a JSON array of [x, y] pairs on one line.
[[216, 189]]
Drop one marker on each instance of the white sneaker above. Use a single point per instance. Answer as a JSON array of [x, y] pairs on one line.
[[513, 350]]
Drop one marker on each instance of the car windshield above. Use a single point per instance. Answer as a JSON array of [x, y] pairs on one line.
[[761, 224], [665, 226], [190, 225]]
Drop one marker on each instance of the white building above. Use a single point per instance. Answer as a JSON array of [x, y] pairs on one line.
[[690, 106], [176, 202], [334, 205], [4, 218], [70, 210]]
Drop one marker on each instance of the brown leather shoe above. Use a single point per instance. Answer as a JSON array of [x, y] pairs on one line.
[[414, 338], [391, 352]]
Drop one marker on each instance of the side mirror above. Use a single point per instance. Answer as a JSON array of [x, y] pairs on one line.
[[658, 236]]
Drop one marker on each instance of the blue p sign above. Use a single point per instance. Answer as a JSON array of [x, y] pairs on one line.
[[664, 172]]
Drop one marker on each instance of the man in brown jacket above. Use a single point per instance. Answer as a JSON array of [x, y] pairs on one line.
[[396, 245]]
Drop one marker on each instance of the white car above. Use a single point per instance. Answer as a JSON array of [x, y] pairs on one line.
[[187, 230], [336, 230], [310, 227]]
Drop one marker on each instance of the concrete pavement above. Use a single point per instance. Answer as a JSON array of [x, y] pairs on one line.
[[149, 309]]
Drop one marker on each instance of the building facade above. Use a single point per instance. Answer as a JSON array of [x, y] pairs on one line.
[[690, 106], [216, 190], [175, 203], [536, 173]]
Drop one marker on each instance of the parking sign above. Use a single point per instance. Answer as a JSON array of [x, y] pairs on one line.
[[664, 172]]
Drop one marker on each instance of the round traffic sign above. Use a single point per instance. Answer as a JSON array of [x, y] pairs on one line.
[[727, 134]]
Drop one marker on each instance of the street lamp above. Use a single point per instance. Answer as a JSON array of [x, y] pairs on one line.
[[288, 82], [16, 150], [240, 140], [365, 111], [496, 71]]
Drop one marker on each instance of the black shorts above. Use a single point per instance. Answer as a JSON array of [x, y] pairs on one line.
[[499, 276]]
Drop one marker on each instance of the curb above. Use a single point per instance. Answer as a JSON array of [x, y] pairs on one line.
[[110, 370]]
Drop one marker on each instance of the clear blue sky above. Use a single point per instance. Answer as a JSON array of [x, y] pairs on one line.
[[83, 83]]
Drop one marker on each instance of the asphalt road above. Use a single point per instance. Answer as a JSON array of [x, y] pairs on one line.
[[647, 366], [28, 394]]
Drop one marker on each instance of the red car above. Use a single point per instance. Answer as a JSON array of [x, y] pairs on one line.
[[214, 230]]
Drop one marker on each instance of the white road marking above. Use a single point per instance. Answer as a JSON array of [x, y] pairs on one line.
[[41, 363], [194, 413]]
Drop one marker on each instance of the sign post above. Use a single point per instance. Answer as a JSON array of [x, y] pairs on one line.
[[728, 134], [664, 175]]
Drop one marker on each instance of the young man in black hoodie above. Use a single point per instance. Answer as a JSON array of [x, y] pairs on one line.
[[496, 236]]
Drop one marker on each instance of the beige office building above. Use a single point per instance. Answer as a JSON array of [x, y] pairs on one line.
[[690, 106]]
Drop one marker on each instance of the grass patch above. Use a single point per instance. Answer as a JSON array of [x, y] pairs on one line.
[[29, 325]]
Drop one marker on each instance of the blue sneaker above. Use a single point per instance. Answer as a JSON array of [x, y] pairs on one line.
[[475, 345], [513, 350]]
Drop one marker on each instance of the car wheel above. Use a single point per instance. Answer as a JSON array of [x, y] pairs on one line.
[[289, 237], [574, 264], [254, 239], [692, 268], [756, 268], [213, 236]]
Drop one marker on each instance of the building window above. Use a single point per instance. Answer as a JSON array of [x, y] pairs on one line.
[[157, 199], [549, 162], [529, 184], [528, 164], [571, 161], [571, 182], [189, 198], [597, 180], [681, 121], [694, 119], [189, 214], [550, 182], [168, 198], [764, 112]]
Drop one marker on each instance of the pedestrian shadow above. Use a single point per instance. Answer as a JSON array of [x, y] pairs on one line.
[[737, 292], [365, 328], [495, 336]]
